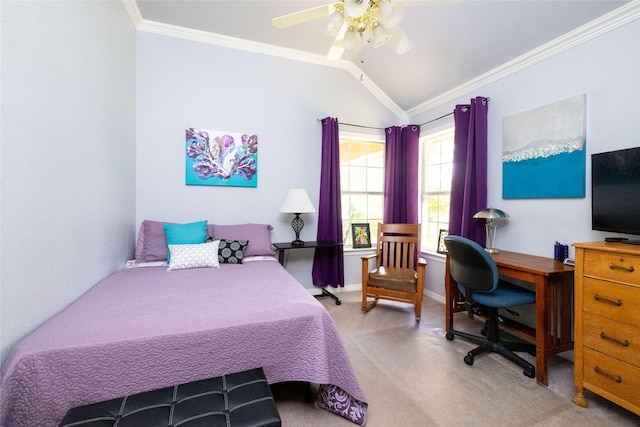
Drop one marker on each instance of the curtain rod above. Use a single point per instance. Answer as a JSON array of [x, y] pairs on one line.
[[437, 118], [358, 126], [425, 123]]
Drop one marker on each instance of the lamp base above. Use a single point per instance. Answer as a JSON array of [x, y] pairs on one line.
[[297, 243], [492, 250]]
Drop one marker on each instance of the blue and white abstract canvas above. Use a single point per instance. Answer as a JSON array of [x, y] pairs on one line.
[[543, 151], [221, 158]]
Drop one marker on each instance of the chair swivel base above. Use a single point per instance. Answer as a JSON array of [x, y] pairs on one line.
[[506, 349]]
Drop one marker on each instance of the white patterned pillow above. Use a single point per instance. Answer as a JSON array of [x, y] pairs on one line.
[[194, 256]]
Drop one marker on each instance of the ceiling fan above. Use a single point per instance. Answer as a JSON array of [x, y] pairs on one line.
[[353, 22]]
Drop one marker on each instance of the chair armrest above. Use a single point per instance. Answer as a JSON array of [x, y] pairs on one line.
[[368, 257]]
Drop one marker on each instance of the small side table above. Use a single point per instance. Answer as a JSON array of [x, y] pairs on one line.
[[282, 247]]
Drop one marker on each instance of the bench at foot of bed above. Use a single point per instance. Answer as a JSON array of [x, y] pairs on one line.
[[242, 399]]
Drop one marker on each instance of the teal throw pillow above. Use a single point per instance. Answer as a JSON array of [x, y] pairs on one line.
[[182, 234]]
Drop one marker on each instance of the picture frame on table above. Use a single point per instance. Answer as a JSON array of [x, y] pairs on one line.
[[442, 233], [361, 234]]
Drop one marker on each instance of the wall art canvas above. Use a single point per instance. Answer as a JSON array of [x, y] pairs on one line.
[[543, 151], [221, 158]]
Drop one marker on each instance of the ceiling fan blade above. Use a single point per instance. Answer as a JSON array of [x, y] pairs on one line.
[[337, 49], [303, 16]]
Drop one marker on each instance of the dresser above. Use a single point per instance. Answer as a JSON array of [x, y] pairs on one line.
[[607, 323]]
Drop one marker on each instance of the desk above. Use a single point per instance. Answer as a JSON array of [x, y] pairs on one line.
[[554, 301], [285, 246]]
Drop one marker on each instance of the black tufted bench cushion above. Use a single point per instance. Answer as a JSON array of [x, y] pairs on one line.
[[242, 399]]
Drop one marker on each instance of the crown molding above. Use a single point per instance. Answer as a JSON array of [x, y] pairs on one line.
[[615, 19], [134, 12], [262, 48]]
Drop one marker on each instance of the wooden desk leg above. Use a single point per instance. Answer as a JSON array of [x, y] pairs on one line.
[[449, 299], [542, 330]]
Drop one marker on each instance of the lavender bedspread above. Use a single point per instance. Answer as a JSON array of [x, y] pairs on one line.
[[146, 328]]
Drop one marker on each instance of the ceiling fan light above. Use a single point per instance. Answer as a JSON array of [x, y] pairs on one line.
[[380, 36], [335, 22], [393, 19], [385, 9], [350, 40], [355, 8], [403, 45]]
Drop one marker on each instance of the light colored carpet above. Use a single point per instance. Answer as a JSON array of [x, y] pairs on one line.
[[412, 376]]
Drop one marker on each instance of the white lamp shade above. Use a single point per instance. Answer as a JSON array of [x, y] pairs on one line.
[[297, 201], [351, 40], [380, 36], [335, 22], [355, 8], [392, 19], [402, 43]]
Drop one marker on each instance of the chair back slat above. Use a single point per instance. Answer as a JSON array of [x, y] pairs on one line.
[[398, 245]]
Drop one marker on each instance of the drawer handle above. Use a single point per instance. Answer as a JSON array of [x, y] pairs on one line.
[[612, 266], [610, 301], [616, 378], [624, 343]]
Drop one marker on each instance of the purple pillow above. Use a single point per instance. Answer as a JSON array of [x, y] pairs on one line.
[[140, 243], [155, 246], [258, 235]]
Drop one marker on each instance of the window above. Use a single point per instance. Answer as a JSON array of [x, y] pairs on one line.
[[362, 184], [436, 166]]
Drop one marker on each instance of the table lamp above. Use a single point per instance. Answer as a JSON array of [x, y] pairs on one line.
[[490, 214], [297, 202]]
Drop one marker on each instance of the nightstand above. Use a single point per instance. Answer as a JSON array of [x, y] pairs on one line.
[[282, 247]]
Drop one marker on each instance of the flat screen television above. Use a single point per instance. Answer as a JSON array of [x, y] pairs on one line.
[[615, 192]]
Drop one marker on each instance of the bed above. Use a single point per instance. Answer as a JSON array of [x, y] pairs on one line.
[[145, 328]]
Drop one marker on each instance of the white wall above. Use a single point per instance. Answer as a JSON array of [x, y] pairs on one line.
[[184, 84], [607, 70], [67, 168]]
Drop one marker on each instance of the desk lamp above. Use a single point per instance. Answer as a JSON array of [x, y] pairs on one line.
[[297, 202], [490, 214]]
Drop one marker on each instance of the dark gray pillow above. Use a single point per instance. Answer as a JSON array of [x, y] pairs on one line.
[[232, 251]]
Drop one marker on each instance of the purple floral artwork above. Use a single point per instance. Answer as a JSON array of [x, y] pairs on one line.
[[221, 158]]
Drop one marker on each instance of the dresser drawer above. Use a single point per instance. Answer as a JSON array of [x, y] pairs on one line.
[[619, 267], [612, 338], [612, 300], [612, 376]]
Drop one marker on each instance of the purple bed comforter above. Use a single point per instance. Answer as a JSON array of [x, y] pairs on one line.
[[145, 328]]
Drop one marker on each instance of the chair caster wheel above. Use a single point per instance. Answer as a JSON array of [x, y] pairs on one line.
[[531, 373], [450, 336], [468, 360]]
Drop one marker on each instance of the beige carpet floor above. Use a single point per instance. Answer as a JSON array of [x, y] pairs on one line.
[[412, 376]]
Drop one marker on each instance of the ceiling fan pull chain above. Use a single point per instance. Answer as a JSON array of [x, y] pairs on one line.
[[362, 58]]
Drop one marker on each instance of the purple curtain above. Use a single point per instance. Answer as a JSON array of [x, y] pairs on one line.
[[469, 181], [328, 263], [401, 174]]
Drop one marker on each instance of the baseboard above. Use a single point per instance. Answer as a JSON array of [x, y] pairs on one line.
[[358, 287]]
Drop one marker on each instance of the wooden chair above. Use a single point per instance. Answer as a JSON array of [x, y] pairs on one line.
[[399, 270]]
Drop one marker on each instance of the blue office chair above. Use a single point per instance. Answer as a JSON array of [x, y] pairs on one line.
[[477, 276]]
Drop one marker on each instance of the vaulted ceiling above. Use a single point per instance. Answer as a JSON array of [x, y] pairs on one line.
[[455, 41]]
